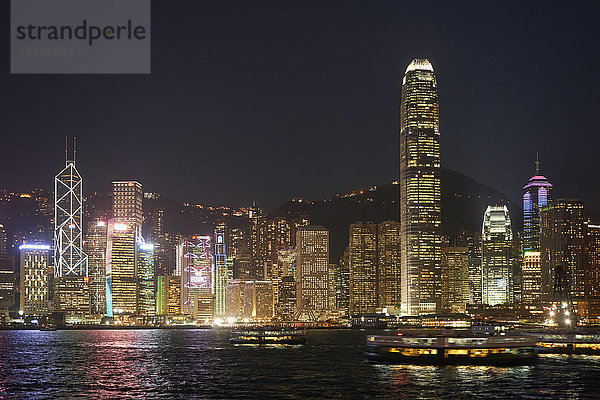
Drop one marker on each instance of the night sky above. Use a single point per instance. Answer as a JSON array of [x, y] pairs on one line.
[[271, 100]]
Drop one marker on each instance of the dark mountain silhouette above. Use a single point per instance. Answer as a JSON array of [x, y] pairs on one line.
[[464, 201]]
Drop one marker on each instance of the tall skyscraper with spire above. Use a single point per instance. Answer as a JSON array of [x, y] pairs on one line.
[[420, 190], [536, 197], [70, 261]]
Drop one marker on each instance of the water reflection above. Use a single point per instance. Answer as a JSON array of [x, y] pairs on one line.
[[203, 364]]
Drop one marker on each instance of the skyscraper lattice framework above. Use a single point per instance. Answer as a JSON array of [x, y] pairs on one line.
[[69, 258]]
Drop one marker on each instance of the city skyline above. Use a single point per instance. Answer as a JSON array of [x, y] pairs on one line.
[[474, 89]]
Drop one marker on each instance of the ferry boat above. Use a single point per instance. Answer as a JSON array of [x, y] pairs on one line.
[[568, 343], [451, 348], [268, 336]]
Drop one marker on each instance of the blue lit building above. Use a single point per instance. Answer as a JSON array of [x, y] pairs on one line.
[[536, 197]]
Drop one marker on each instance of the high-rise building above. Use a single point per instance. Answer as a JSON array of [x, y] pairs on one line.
[[592, 252], [146, 299], [420, 190], [374, 266], [95, 248], [312, 264], [472, 241], [197, 271], [71, 292], [536, 197], [243, 266], [532, 276], [342, 282], [285, 306], [3, 240], [168, 295], [388, 254], [222, 274], [36, 271], [282, 267], [250, 299], [8, 282], [121, 280], [363, 267], [455, 278], [562, 245], [496, 250], [127, 203], [256, 241]]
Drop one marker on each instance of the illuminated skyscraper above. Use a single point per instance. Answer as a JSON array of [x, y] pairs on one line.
[[455, 278], [8, 282], [222, 275], [420, 190], [168, 295], [312, 275], [388, 254], [363, 267], [250, 299], [127, 203], [121, 282], [283, 266], [71, 294], [496, 260], [592, 251], [198, 274], [95, 248], [146, 300], [285, 306], [36, 270], [562, 245], [536, 197], [3, 240]]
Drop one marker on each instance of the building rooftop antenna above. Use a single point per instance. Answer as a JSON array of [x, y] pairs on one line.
[[537, 163], [66, 149], [74, 148]]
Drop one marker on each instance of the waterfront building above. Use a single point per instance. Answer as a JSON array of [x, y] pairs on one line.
[[95, 248], [197, 270], [222, 275], [203, 308], [168, 295], [282, 267], [562, 245], [455, 279], [420, 190], [250, 299], [259, 300], [536, 196], [36, 271], [71, 281], [592, 251], [121, 280], [374, 266], [496, 263], [285, 306], [312, 264], [8, 282], [146, 299]]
